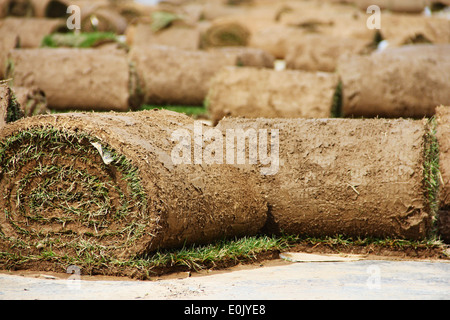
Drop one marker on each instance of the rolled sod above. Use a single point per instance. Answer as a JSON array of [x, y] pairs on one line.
[[103, 185], [402, 29], [443, 138], [76, 79], [224, 33], [252, 93], [352, 177], [408, 6], [16, 8], [174, 76], [249, 57], [8, 42], [318, 52], [52, 8], [102, 19], [31, 31], [409, 81], [182, 37]]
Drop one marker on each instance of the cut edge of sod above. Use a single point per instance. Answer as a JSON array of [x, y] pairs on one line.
[[14, 111], [431, 172], [336, 107]]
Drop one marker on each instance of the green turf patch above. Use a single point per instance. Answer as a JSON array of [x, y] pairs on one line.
[[78, 40], [194, 111]]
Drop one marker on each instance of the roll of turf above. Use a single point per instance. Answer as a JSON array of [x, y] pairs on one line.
[[253, 93], [351, 177], [93, 81], [409, 81], [104, 185]]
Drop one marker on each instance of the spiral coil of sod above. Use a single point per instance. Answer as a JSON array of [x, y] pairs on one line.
[[102, 186]]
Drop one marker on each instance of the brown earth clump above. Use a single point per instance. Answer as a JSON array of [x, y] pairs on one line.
[[104, 186], [252, 93], [409, 81], [76, 79], [358, 178]]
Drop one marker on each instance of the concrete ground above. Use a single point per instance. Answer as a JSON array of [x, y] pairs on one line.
[[278, 280]]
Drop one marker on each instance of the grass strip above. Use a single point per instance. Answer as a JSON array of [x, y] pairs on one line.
[[194, 111], [431, 171], [78, 40]]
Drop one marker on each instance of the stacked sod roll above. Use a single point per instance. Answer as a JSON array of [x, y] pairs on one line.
[[105, 185], [174, 76], [252, 93], [351, 177], [409, 81], [77, 79]]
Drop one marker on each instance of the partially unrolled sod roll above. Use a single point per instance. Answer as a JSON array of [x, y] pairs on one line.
[[76, 79], [400, 82], [252, 93], [443, 138], [173, 76], [351, 177], [103, 185]]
